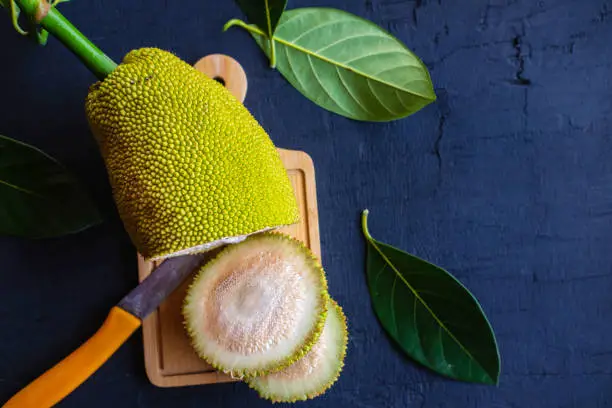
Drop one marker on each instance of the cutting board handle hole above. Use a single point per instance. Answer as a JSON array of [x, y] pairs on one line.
[[225, 70], [219, 80]]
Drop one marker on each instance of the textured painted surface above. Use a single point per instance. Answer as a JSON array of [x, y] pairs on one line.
[[506, 181]]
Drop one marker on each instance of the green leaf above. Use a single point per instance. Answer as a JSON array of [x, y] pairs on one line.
[[347, 65], [39, 198], [430, 314], [265, 14]]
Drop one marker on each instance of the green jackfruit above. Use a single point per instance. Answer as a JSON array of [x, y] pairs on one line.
[[314, 373], [258, 307], [190, 168]]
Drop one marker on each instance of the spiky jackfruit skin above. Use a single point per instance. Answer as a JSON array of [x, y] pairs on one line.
[[316, 372], [188, 164], [195, 314]]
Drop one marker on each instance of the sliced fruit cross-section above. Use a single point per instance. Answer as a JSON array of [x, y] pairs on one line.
[[258, 307], [316, 371]]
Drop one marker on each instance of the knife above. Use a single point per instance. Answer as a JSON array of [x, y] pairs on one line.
[[123, 320]]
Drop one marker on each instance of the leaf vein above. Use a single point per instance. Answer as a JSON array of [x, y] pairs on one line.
[[441, 345], [352, 37], [297, 78], [344, 66], [399, 98], [395, 326], [311, 29], [391, 69], [16, 187], [379, 100], [378, 274], [376, 54], [416, 327], [348, 89], [314, 72]]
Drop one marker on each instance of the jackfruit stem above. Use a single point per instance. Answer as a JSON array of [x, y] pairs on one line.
[[40, 12]]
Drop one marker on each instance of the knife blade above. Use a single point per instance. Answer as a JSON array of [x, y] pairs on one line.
[[123, 320], [152, 291]]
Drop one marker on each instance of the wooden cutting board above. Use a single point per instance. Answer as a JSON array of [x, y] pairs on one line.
[[169, 358]]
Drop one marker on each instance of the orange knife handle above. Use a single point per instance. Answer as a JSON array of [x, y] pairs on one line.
[[55, 384]]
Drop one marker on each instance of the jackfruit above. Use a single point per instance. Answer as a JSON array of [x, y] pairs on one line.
[[189, 166], [257, 307], [314, 373]]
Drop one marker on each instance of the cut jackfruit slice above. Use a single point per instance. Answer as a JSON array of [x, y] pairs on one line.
[[258, 307], [313, 374], [190, 168]]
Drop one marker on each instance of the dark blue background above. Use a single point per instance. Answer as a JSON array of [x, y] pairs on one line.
[[506, 181]]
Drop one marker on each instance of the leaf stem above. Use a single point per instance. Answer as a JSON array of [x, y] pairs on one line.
[[254, 30], [41, 12], [249, 27], [270, 37], [364, 224], [272, 54]]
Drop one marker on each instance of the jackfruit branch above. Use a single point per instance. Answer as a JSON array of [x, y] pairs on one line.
[[40, 197], [45, 14]]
